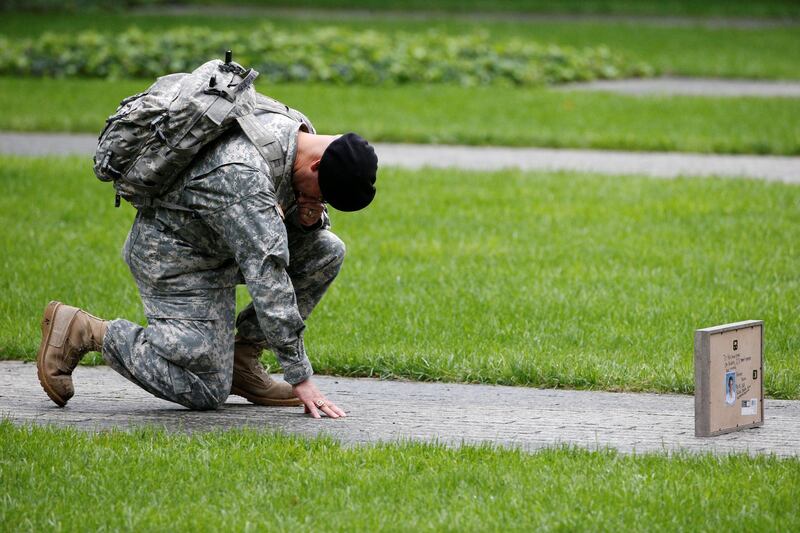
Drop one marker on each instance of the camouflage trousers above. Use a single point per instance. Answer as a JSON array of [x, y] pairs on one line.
[[185, 354]]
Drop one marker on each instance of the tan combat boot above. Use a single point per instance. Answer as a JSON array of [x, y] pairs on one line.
[[67, 335], [251, 381]]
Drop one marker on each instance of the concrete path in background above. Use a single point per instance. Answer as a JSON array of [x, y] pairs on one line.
[[414, 156], [381, 411], [692, 86]]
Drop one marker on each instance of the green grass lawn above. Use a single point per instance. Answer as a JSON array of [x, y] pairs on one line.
[[249, 481], [695, 51], [460, 115], [555, 280]]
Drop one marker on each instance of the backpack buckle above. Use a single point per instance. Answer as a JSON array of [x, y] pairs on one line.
[[107, 170], [220, 92], [158, 120]]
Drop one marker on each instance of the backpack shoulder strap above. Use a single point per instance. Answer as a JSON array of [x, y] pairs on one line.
[[265, 103], [265, 142], [270, 105]]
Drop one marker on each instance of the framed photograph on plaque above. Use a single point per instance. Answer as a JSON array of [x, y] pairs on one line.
[[729, 386]]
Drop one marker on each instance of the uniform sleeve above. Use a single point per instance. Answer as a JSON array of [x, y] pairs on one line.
[[250, 224]]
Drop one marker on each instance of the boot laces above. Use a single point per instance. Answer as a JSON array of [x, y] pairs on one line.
[[258, 369], [253, 363]]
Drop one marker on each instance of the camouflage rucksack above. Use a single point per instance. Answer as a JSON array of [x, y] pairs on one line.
[[154, 135]]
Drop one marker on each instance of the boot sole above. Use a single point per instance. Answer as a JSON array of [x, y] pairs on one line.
[[271, 402], [49, 313]]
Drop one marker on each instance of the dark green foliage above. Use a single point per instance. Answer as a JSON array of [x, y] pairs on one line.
[[708, 8], [71, 6], [323, 54], [691, 8], [686, 50]]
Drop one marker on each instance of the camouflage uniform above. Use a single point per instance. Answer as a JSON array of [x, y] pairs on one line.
[[187, 265]]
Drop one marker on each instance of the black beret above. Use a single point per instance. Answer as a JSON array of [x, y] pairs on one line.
[[347, 173]]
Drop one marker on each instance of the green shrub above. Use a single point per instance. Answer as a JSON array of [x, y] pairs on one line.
[[74, 6], [326, 54]]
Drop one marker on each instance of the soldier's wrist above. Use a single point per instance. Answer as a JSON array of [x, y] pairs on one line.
[[298, 372]]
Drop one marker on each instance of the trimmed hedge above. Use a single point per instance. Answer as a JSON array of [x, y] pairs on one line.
[[326, 54], [73, 6]]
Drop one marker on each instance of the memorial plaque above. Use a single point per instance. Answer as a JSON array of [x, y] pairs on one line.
[[729, 386]]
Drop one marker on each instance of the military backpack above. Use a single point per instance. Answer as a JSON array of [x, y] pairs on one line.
[[154, 135]]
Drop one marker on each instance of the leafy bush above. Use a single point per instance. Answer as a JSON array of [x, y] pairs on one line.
[[325, 54], [73, 6]]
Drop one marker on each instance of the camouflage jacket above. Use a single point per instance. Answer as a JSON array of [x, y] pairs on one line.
[[234, 233]]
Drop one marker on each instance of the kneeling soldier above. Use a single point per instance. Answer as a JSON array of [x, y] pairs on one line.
[[240, 223]]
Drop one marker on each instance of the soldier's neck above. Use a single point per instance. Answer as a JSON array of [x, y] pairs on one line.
[[310, 148]]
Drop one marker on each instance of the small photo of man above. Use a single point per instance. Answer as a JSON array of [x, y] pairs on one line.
[[730, 388]]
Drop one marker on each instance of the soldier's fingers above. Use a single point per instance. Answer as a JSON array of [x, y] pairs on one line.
[[338, 410], [328, 410], [330, 406], [312, 409]]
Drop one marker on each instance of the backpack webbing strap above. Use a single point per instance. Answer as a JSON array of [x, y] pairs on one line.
[[265, 142], [144, 202], [265, 103]]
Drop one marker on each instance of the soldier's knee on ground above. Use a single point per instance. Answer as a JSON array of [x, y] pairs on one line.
[[203, 393], [203, 386], [206, 404]]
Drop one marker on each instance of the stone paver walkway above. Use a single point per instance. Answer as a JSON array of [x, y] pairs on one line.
[[692, 86], [395, 410], [655, 164]]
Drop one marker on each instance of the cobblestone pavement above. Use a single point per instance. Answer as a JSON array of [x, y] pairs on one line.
[[663, 165], [396, 410], [692, 86]]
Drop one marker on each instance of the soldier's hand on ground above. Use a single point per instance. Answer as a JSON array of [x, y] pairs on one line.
[[315, 401]]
